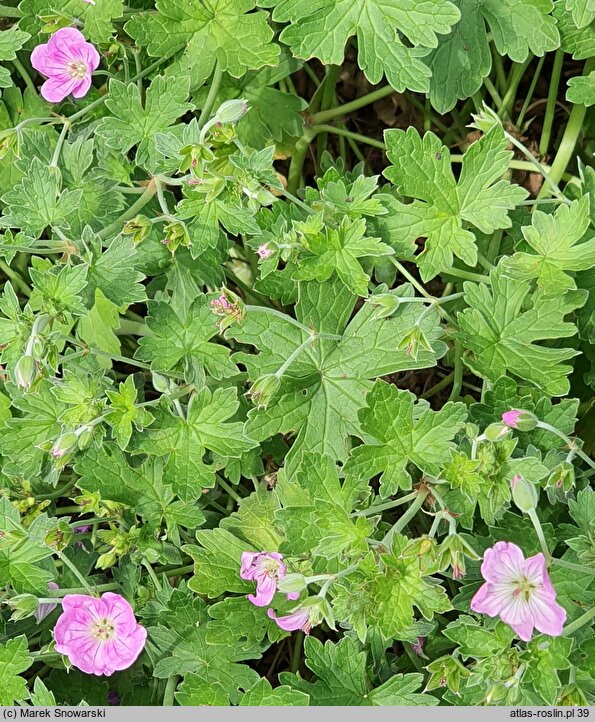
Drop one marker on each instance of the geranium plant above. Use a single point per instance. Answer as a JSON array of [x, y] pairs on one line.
[[296, 314]]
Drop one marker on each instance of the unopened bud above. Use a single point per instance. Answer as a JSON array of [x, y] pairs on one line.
[[9, 140], [23, 605], [385, 303], [562, 477], [292, 584], [264, 389], [138, 228], [519, 420], [176, 235], [413, 341], [25, 372], [160, 383], [231, 111], [496, 432], [524, 493], [63, 444]]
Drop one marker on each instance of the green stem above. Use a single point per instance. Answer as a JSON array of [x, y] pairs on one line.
[[59, 144], [324, 128], [296, 653], [66, 561], [552, 96], [297, 161], [575, 567], [328, 96], [326, 115], [491, 88], [570, 442], [287, 363], [15, 278], [245, 287], [23, 73], [170, 688], [406, 518], [467, 275], [569, 140], [154, 579], [130, 212], [539, 531], [578, 623], [377, 509], [529, 94], [446, 381], [458, 372], [516, 75], [499, 68], [61, 491], [212, 95], [417, 285], [176, 571], [230, 492], [59, 593]]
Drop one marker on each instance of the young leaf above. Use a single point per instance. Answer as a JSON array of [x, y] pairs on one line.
[[14, 659], [501, 336], [583, 11], [421, 170], [554, 240], [581, 90], [123, 412], [403, 431], [263, 695]]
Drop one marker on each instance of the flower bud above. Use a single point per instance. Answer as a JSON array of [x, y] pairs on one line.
[[453, 551], [386, 303], [60, 536], [485, 120], [231, 111], [264, 389], [176, 235], [138, 228], [412, 341], [446, 672], [292, 584], [25, 372], [160, 383], [229, 307], [562, 477], [23, 605], [524, 493], [9, 140], [519, 420], [64, 444], [54, 22], [496, 432]]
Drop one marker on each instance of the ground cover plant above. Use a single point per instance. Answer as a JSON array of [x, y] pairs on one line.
[[296, 314]]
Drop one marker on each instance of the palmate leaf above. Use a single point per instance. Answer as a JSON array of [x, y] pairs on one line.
[[185, 343], [135, 122], [324, 388], [581, 90], [501, 335], [217, 31], [580, 42], [421, 170], [582, 11], [403, 431], [14, 659], [555, 248], [185, 440], [96, 18], [342, 679], [392, 35], [462, 59]]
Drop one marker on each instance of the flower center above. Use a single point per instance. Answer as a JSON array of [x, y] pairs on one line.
[[272, 567], [524, 587], [76, 69], [103, 629]]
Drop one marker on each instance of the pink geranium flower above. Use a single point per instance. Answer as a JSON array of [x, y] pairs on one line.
[[68, 61], [99, 636], [519, 591], [300, 619], [264, 252], [266, 569]]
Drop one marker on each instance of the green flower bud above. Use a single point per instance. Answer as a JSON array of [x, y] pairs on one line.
[[524, 493], [496, 432], [562, 477], [25, 372], [64, 444], [23, 605], [386, 303], [292, 584], [160, 383], [59, 537], [231, 111], [264, 389], [446, 672], [176, 235], [54, 22], [9, 140], [412, 341], [139, 228]]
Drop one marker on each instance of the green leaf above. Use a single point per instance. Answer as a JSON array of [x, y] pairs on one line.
[[501, 336], [476, 641], [580, 42], [263, 695], [583, 11], [59, 288], [337, 251], [112, 270], [403, 431], [36, 202], [196, 691], [11, 41], [421, 170], [41, 695], [135, 123], [184, 343], [554, 240], [217, 563], [96, 329], [254, 519], [462, 59], [123, 413], [392, 35], [581, 90], [221, 32], [547, 655], [323, 389], [14, 659], [342, 679], [96, 18], [185, 440]]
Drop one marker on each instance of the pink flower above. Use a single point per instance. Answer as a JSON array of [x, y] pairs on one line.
[[510, 418], [300, 619], [266, 569], [264, 252], [43, 610], [99, 636], [68, 61], [418, 647], [519, 591], [90, 2], [221, 304]]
